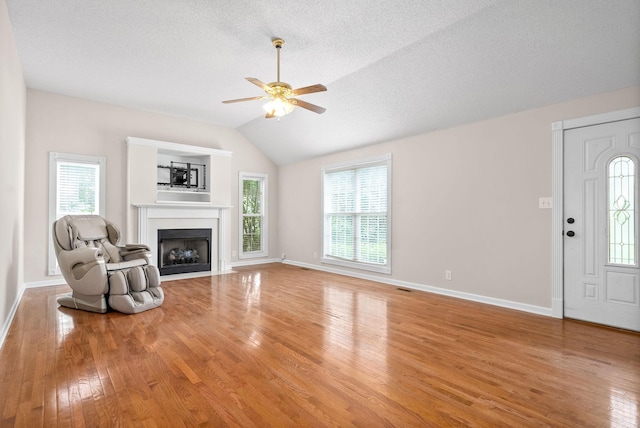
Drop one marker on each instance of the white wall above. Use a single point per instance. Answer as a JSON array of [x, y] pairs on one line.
[[464, 199], [12, 147], [71, 125]]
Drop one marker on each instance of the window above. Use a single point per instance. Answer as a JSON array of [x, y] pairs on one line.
[[356, 211], [76, 186], [622, 213], [253, 215]]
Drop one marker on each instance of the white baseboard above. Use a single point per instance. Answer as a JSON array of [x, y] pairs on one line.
[[9, 320], [253, 262], [165, 278], [539, 310], [46, 283]]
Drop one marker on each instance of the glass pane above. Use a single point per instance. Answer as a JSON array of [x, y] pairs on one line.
[[251, 234], [339, 188], [373, 239], [251, 197], [622, 190], [341, 242], [372, 183], [77, 188]]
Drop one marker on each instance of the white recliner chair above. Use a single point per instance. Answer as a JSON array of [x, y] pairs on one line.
[[101, 273]]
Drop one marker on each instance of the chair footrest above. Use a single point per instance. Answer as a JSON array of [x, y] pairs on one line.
[[135, 290]]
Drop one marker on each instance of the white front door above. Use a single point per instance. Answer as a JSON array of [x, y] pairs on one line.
[[601, 221]]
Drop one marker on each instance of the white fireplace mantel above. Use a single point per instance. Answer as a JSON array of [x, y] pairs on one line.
[[151, 217]]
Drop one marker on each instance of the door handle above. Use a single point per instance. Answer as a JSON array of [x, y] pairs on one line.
[[571, 233]]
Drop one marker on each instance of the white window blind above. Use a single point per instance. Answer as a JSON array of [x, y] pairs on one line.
[[357, 214], [78, 188], [77, 185]]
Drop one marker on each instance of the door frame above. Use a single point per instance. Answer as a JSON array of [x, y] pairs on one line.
[[557, 186]]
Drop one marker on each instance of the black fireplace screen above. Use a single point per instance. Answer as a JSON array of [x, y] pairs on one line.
[[184, 250]]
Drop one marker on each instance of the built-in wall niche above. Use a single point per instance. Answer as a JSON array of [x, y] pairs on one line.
[[170, 173], [183, 178]]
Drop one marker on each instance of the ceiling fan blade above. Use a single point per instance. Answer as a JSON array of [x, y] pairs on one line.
[[258, 83], [314, 108], [241, 100], [309, 90]]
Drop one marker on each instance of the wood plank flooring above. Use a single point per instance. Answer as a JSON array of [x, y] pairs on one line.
[[277, 345]]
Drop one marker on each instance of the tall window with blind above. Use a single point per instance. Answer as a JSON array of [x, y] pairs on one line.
[[76, 186], [357, 214], [253, 215]]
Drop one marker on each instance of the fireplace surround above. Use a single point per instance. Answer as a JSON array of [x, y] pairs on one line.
[[153, 218]]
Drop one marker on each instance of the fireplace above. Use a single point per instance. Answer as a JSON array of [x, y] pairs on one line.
[[155, 217], [184, 250]]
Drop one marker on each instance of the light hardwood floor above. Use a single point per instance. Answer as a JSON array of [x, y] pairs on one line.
[[277, 345]]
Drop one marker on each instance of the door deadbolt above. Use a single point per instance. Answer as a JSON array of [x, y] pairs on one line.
[[571, 220]]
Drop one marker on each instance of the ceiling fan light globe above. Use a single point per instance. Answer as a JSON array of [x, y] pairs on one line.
[[278, 107]]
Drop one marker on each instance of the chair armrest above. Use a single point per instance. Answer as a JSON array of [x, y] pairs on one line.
[[79, 256], [132, 247], [133, 251], [84, 270]]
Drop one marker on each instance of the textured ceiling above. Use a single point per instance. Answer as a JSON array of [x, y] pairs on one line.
[[392, 69]]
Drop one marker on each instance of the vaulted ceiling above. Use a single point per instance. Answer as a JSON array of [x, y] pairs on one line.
[[392, 68]]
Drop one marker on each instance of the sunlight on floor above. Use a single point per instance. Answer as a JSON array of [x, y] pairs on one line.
[[357, 326], [252, 292], [624, 408], [66, 325]]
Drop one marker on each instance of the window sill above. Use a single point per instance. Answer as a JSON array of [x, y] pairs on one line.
[[386, 269], [255, 255]]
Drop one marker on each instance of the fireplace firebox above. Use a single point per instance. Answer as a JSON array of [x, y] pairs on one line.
[[184, 250]]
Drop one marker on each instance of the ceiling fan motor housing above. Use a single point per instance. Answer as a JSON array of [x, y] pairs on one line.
[[280, 89]]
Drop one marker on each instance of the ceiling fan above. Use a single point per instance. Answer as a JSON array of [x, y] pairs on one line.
[[280, 94]]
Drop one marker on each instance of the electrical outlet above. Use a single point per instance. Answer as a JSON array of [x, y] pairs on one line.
[[545, 203], [284, 256], [234, 253], [447, 275]]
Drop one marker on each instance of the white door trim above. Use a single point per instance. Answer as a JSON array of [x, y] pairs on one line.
[[557, 215]]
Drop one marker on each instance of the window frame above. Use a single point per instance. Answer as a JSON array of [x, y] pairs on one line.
[[54, 159], [385, 159], [264, 235]]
